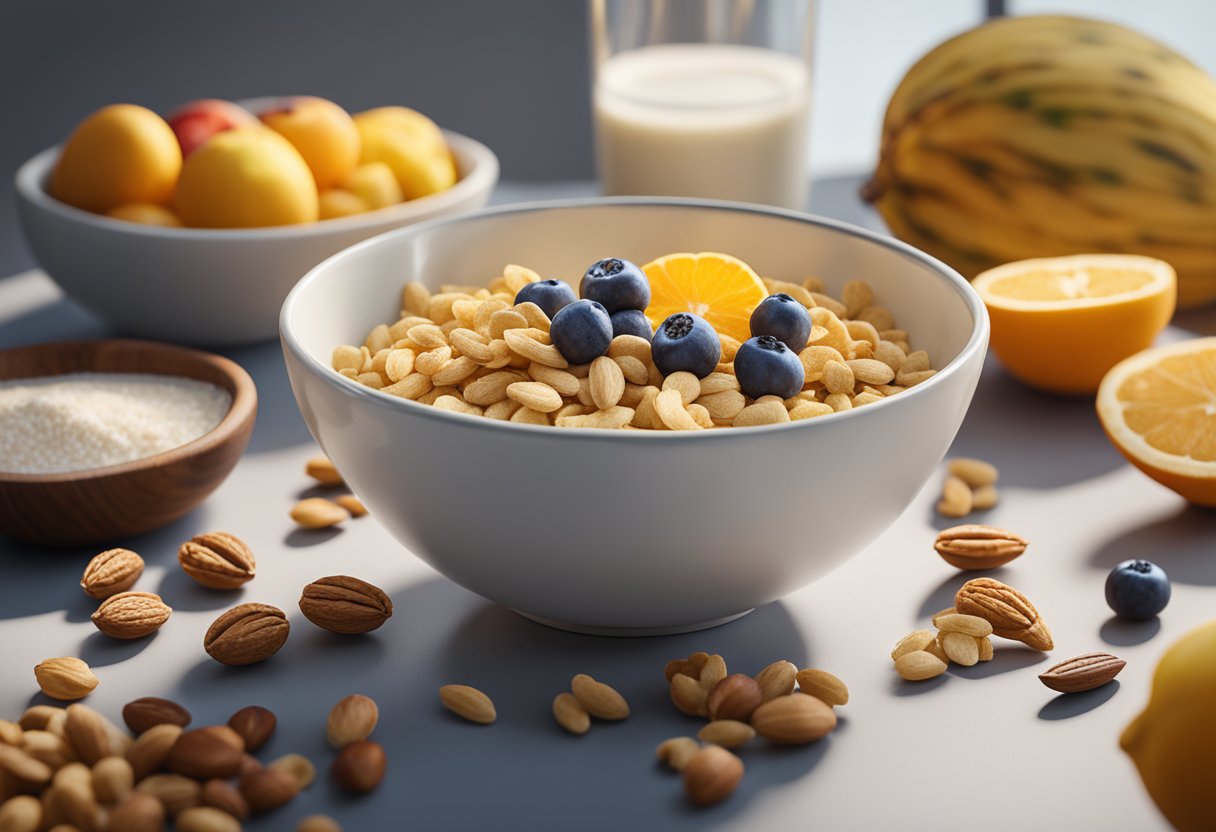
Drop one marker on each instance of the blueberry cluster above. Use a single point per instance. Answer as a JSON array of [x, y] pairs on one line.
[[767, 364], [614, 294]]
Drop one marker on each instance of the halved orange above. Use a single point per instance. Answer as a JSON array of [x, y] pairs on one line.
[[1159, 409], [1061, 323], [721, 289]]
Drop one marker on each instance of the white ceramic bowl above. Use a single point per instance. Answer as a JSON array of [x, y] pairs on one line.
[[200, 286], [631, 532]]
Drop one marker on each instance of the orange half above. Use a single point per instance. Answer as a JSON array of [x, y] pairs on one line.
[[721, 289]]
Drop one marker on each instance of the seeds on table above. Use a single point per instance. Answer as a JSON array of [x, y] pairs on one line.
[[268, 788], [728, 733], [677, 751], [65, 678], [795, 719], [1009, 612], [469, 703], [130, 615], [111, 572], [149, 711], [321, 469], [918, 665], [223, 795], [352, 504], [970, 485], [255, 725], [318, 823], [345, 605], [711, 774], [1082, 673], [353, 718], [318, 513], [974, 546], [246, 634], [823, 685], [298, 766], [734, 697], [218, 560], [360, 766], [570, 714], [598, 699], [777, 679]]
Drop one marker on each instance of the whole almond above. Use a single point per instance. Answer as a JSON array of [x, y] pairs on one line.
[[75, 774], [47, 748], [111, 572], [469, 703], [976, 473], [342, 604], [1009, 612], [359, 767], [713, 672], [246, 634], [255, 724], [940, 614], [985, 497], [65, 678], [985, 648], [69, 802], [206, 753], [690, 666], [353, 718], [268, 788], [298, 766], [176, 792], [323, 471], [131, 615], [22, 813], [777, 679], [217, 560], [735, 697], [139, 812], [913, 641], [113, 780], [352, 504], [598, 699], [10, 732], [688, 695], [147, 755], [956, 498], [919, 665], [1082, 673], [712, 774], [974, 546], [971, 625], [318, 513], [39, 717], [224, 796], [960, 648], [86, 733], [148, 711], [318, 823], [206, 819], [728, 733], [824, 686], [570, 714], [677, 751], [24, 767], [794, 719]]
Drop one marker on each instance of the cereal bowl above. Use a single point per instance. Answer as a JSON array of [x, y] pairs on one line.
[[631, 532], [203, 286]]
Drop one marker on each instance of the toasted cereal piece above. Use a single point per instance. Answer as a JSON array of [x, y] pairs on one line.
[[612, 417], [688, 386], [669, 405], [528, 416], [856, 296], [769, 412]]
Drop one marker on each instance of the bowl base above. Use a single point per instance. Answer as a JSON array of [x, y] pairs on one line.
[[631, 631]]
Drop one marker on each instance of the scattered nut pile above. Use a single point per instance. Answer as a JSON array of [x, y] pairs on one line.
[[72, 770], [320, 512], [970, 485], [473, 350]]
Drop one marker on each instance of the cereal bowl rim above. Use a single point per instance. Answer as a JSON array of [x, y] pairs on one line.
[[31, 185], [975, 343]]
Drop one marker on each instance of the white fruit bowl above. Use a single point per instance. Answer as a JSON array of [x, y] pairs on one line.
[[631, 532], [202, 286]]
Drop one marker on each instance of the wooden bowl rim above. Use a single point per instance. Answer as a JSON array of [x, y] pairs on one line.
[[242, 408]]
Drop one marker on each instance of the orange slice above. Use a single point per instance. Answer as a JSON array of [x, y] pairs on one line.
[[1061, 323], [721, 289], [1159, 409]]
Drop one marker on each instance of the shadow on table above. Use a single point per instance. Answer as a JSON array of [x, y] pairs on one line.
[[1182, 542], [1065, 430], [1068, 705], [279, 423], [1123, 633], [57, 321]]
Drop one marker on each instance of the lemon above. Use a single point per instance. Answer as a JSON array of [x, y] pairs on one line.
[[1173, 740], [721, 289], [1060, 323], [1159, 409]]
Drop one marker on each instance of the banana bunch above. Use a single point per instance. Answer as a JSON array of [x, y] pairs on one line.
[[1048, 135]]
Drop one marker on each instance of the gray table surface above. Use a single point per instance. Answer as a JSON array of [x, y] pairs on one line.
[[985, 747]]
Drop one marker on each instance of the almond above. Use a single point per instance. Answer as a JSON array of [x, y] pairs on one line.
[[913, 641], [713, 672], [24, 767], [255, 724], [206, 753], [974, 546], [86, 733], [246, 634], [985, 648], [217, 560], [224, 796], [346, 605], [174, 791], [47, 748], [735, 697], [69, 802], [323, 471], [318, 823], [960, 648], [598, 699], [268, 788], [359, 767], [688, 695], [113, 780], [131, 615], [352, 504], [354, 718], [22, 813], [139, 812], [823, 686], [298, 766], [690, 666], [318, 513], [677, 751], [712, 774], [1009, 612], [65, 678], [570, 714], [148, 711], [1082, 673], [147, 755], [468, 702], [728, 733], [919, 665], [778, 679], [205, 819], [111, 572], [971, 625], [976, 473], [794, 719], [10, 732]]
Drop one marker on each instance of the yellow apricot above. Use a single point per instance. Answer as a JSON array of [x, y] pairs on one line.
[[336, 203], [411, 145], [324, 134], [120, 154], [376, 184], [246, 178], [145, 213]]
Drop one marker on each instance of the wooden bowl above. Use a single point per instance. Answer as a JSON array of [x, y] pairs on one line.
[[105, 505]]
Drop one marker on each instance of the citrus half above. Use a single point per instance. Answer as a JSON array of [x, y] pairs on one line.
[[721, 289]]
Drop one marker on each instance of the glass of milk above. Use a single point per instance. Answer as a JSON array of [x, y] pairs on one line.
[[705, 98]]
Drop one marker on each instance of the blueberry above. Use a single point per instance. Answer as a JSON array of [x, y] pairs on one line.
[[617, 284], [765, 366], [550, 295], [1137, 589], [581, 331], [686, 342], [631, 322], [783, 318]]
